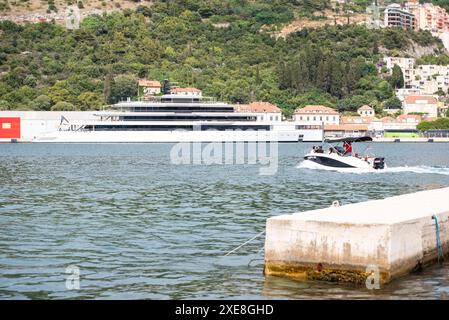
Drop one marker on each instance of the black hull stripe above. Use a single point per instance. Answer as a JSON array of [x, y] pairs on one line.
[[328, 162]]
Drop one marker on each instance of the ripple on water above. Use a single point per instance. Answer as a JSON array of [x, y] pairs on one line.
[[139, 227]]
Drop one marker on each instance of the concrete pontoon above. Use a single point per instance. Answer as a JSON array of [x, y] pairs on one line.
[[397, 235]]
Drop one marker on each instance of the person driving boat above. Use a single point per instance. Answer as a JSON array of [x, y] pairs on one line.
[[347, 145]]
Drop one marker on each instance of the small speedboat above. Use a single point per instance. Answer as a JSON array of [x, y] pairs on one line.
[[337, 157]]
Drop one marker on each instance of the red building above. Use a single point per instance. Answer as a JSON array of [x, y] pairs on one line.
[[9, 128]]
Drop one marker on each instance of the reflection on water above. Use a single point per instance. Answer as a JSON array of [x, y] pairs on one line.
[[140, 227]]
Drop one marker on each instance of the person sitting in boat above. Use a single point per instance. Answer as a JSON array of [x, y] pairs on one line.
[[348, 148]]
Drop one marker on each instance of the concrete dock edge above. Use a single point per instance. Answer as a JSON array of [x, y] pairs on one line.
[[395, 235]]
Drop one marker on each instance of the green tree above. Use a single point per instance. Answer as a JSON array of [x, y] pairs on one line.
[[42, 102], [397, 77], [384, 90], [90, 101], [60, 92], [392, 103], [439, 124], [4, 105], [122, 88], [63, 106]]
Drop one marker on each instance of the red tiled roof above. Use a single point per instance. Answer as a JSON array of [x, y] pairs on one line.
[[366, 107], [388, 119], [316, 109], [356, 119], [345, 127], [177, 90], [420, 99], [149, 83], [258, 106], [405, 117]]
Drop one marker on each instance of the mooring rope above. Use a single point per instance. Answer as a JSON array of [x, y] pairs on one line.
[[439, 246], [255, 256], [246, 242]]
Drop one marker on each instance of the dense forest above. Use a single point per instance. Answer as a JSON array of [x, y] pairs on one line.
[[220, 46]]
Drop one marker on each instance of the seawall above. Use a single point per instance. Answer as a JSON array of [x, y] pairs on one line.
[[397, 235]]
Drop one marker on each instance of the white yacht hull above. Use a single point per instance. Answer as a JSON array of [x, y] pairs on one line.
[[175, 136]]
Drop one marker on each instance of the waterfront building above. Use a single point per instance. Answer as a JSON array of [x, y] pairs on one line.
[[376, 126], [264, 111], [402, 122], [345, 130], [317, 115], [356, 119], [424, 104]]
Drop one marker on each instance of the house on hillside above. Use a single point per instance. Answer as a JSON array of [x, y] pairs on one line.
[[317, 114], [366, 111], [421, 104], [149, 87], [397, 16]]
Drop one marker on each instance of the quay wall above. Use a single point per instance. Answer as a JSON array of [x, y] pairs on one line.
[[411, 140], [396, 235], [35, 123]]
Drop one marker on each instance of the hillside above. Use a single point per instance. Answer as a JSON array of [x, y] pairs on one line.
[[318, 20], [24, 11], [221, 47], [22, 7]]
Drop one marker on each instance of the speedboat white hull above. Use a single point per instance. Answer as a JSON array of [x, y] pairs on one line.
[[334, 161]]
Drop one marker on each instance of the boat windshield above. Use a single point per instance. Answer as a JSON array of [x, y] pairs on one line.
[[340, 150]]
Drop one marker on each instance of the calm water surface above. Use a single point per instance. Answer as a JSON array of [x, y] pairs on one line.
[[139, 227]]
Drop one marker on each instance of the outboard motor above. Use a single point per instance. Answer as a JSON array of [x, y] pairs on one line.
[[379, 163]]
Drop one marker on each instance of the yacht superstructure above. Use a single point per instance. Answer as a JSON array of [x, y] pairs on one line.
[[178, 118]]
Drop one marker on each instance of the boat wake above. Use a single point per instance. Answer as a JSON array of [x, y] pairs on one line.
[[418, 169], [404, 169]]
